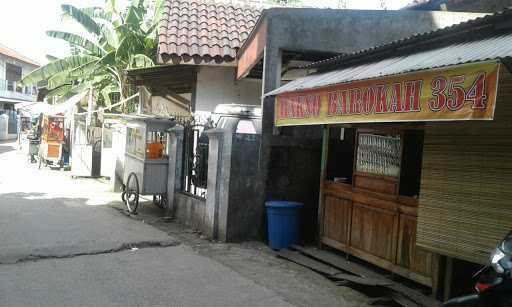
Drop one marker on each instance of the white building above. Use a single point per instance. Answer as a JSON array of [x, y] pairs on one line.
[[197, 55], [13, 67]]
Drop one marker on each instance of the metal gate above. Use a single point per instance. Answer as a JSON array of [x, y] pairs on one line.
[[195, 160]]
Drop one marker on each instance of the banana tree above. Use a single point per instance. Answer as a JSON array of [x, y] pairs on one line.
[[115, 41]]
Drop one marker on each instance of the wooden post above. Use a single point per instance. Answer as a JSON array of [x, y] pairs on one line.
[[323, 170], [448, 275], [436, 272], [90, 108]]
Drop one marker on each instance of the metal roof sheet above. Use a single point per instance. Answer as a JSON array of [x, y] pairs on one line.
[[491, 48]]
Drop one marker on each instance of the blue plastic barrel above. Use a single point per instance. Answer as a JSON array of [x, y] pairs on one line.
[[283, 219]]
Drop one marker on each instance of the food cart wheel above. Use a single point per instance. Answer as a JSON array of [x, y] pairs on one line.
[[123, 192], [160, 200], [131, 193]]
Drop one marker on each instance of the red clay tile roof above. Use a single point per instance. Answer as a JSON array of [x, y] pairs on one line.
[[16, 55], [192, 30]]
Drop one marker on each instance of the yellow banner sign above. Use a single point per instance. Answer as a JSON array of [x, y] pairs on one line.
[[462, 92]]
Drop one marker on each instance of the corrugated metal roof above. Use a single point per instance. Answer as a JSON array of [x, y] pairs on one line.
[[495, 47]]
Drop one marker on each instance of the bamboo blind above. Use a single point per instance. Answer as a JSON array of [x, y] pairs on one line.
[[466, 183]]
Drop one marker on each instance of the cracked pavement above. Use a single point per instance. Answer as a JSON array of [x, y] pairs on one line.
[[62, 244]]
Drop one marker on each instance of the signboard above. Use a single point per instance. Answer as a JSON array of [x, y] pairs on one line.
[[462, 92]]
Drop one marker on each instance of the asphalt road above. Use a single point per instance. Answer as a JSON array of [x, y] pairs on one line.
[[60, 245]]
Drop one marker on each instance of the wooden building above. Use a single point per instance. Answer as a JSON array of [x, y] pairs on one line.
[[416, 163]]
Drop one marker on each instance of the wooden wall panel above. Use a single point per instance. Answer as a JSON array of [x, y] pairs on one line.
[[376, 184], [337, 213], [409, 255], [374, 230], [466, 185], [53, 150], [378, 228]]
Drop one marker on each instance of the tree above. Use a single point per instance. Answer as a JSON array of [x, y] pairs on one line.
[[115, 41]]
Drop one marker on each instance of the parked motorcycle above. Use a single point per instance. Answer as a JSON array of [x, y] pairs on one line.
[[494, 285]]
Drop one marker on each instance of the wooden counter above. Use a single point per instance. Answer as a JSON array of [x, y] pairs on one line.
[[368, 220]]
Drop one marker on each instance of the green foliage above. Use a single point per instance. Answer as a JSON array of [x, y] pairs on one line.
[[116, 41]]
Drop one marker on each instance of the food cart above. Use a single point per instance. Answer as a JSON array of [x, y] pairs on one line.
[[52, 140], [146, 161]]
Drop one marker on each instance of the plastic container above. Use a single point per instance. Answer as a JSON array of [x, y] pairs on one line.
[[155, 151], [283, 219]]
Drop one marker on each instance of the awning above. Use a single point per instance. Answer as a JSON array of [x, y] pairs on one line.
[[159, 79], [13, 101], [496, 47], [33, 107], [36, 108], [455, 82]]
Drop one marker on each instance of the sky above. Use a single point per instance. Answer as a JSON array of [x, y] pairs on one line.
[[24, 22]]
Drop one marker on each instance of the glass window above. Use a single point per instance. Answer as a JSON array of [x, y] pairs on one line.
[[135, 142], [156, 143], [245, 126]]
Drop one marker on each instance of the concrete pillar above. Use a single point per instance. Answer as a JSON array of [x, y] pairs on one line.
[[4, 127], [175, 149], [271, 80], [217, 197]]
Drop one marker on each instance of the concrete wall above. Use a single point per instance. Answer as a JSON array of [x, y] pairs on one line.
[[231, 210], [216, 85], [350, 30], [163, 107], [190, 211], [294, 173], [246, 215]]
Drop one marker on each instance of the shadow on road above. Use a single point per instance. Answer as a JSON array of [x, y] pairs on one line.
[[42, 200], [6, 147], [37, 226]]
